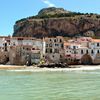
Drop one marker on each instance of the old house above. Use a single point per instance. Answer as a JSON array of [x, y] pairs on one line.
[[54, 49], [28, 50], [4, 49], [71, 52], [85, 50]]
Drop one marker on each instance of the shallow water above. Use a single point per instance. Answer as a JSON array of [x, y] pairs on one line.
[[68, 85]]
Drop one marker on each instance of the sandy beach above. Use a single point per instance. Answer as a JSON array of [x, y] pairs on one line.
[[36, 69], [11, 67]]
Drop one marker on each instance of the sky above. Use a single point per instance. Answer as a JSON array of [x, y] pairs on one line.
[[13, 10]]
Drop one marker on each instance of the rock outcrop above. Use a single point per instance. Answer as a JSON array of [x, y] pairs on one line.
[[52, 11], [58, 22]]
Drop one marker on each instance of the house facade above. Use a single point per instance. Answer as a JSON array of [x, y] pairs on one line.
[[29, 50], [54, 49], [84, 50]]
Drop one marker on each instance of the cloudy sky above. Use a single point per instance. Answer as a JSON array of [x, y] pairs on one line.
[[12, 10]]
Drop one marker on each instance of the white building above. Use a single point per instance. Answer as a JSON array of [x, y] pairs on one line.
[[85, 50]]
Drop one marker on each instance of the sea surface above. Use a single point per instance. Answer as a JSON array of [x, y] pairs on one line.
[[50, 85]]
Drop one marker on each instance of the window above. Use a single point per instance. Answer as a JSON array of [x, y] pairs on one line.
[[75, 52], [81, 51], [60, 56], [14, 44], [46, 45], [50, 39], [62, 46], [74, 47], [87, 52], [50, 50], [98, 51], [27, 48], [33, 48], [60, 40], [50, 45], [92, 51], [97, 44], [69, 59], [56, 44], [46, 51], [55, 40], [56, 51]]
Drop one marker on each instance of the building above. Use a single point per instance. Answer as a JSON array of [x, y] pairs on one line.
[[83, 50], [25, 50], [71, 52], [28, 50], [4, 49], [54, 49]]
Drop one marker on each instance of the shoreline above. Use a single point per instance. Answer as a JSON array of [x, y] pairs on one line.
[[11, 67], [37, 69]]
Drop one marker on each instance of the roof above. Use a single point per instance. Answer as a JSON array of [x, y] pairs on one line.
[[96, 40], [67, 44], [71, 43], [48, 38]]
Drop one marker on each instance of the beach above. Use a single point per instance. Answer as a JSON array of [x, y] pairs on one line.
[[37, 69], [11, 67]]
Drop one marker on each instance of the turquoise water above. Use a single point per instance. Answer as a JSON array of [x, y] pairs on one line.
[[73, 85]]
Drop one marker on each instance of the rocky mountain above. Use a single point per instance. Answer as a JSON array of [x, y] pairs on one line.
[[58, 22], [52, 11]]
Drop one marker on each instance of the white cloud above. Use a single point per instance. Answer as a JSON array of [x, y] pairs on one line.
[[48, 3]]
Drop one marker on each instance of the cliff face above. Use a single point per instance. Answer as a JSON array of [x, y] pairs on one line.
[[63, 24]]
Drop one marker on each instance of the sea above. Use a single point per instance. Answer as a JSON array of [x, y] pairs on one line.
[[45, 84]]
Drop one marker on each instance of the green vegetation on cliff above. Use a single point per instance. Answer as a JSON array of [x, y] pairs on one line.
[[57, 21]]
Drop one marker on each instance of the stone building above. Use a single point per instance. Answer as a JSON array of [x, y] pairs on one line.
[[4, 49], [25, 50], [54, 49]]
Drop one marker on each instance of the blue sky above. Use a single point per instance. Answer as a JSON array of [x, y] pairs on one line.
[[12, 10]]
